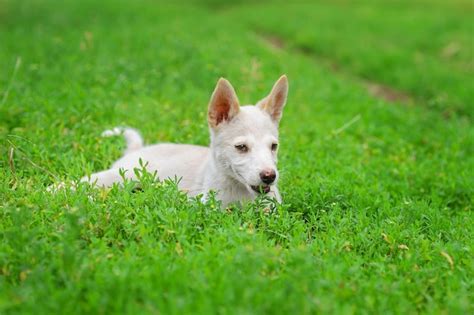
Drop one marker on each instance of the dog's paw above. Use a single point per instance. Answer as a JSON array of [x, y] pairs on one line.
[[57, 187], [112, 132]]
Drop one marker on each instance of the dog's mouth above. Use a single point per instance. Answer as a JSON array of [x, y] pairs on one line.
[[261, 189]]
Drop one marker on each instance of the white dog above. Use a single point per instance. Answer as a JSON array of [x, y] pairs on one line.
[[240, 162]]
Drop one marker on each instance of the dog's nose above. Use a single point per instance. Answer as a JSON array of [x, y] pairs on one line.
[[268, 176]]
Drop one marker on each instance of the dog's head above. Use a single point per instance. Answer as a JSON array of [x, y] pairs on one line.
[[244, 139]]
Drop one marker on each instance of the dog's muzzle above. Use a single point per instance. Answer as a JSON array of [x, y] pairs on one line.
[[261, 189]]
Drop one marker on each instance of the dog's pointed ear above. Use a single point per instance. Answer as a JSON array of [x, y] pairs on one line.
[[224, 104], [273, 104]]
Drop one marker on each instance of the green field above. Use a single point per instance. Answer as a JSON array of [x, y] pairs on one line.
[[378, 185]]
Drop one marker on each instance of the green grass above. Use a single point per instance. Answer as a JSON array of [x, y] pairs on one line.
[[377, 215]]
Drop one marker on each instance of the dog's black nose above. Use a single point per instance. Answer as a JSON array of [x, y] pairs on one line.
[[268, 176]]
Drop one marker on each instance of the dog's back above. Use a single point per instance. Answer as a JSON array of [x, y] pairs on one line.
[[183, 161]]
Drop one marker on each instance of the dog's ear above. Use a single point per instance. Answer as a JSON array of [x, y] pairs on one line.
[[273, 104], [224, 104]]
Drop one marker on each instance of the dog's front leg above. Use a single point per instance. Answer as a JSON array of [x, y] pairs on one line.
[[276, 194], [106, 178]]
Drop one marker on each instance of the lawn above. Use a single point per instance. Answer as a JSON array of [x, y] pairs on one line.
[[377, 215]]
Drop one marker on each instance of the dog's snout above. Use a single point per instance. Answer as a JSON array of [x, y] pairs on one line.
[[268, 176]]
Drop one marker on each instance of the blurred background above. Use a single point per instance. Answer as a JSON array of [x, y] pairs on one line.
[[402, 49]]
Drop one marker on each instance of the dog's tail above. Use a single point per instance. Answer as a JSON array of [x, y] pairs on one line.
[[132, 137]]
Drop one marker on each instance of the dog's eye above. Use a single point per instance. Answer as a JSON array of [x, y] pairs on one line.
[[242, 147], [274, 146]]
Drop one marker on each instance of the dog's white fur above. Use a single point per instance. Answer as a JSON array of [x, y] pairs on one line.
[[226, 167]]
